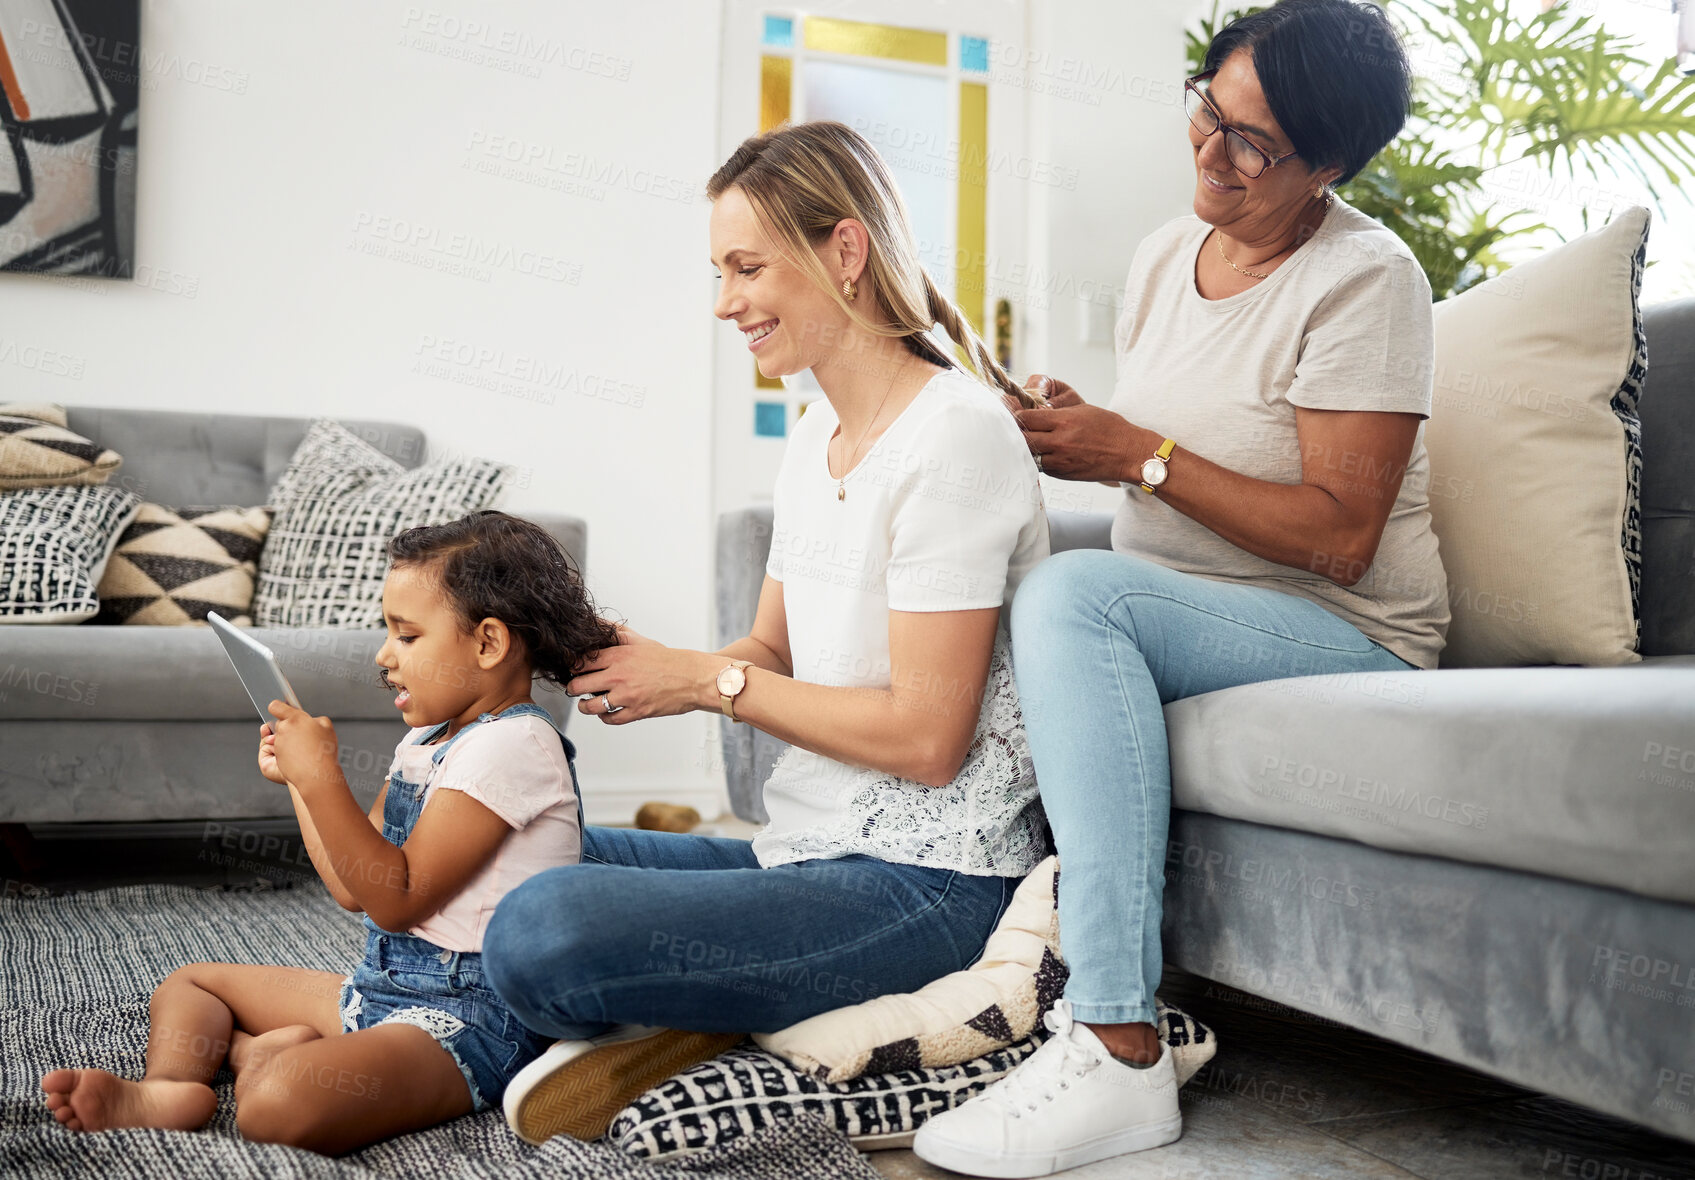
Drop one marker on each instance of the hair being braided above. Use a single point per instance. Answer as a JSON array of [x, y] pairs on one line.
[[493, 565]]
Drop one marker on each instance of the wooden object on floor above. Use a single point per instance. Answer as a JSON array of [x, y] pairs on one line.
[[666, 817]]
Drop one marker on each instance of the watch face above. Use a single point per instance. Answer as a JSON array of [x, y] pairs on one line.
[[1153, 472], [731, 681]]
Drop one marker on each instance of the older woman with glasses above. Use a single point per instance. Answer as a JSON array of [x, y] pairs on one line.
[[1274, 368]]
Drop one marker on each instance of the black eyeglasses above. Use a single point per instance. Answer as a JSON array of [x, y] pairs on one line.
[[1244, 154]]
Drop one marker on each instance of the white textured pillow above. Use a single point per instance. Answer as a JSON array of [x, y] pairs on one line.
[[54, 545], [1535, 455], [997, 1001], [337, 506]]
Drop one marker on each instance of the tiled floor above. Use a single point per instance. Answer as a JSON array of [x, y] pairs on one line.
[[1287, 1096]]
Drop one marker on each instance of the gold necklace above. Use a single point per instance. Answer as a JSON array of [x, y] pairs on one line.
[[847, 468], [1254, 274]]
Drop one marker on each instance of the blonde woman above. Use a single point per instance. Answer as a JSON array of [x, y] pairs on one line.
[[906, 512]]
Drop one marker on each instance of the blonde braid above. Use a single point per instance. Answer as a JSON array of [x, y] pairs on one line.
[[953, 322]]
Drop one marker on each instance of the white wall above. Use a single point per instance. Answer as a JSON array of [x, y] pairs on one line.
[[281, 159], [1104, 80], [281, 154]]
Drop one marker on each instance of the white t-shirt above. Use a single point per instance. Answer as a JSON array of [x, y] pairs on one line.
[[1343, 324], [943, 513], [515, 767]]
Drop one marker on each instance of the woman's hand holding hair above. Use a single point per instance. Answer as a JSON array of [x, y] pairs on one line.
[[630, 637], [1075, 440], [641, 677]]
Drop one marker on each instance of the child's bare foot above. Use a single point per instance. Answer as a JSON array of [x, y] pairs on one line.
[[248, 1052], [94, 1100]]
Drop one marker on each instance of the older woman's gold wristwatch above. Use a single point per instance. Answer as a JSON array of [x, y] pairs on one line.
[[1154, 470]]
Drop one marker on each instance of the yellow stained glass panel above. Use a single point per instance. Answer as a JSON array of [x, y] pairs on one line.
[[972, 246], [776, 75], [867, 40]]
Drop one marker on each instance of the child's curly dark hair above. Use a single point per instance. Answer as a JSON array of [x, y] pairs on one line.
[[495, 565]]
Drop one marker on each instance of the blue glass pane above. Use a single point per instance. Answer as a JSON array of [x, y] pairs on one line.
[[770, 419], [780, 33], [973, 54]]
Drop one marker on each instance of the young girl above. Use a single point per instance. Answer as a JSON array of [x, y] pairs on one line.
[[481, 795]]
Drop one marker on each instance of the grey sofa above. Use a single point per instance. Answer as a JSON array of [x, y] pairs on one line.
[[141, 724], [1496, 866]]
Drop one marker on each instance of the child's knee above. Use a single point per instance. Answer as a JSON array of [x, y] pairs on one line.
[[268, 1112], [264, 1114]]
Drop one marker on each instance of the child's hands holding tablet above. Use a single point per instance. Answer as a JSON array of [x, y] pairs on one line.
[[303, 748], [268, 755]]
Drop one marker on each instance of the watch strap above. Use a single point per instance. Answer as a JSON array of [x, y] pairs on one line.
[[1162, 454], [728, 703]]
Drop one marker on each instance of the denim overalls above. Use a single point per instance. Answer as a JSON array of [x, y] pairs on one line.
[[404, 979]]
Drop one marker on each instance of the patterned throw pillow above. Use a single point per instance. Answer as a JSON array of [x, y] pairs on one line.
[[172, 565], [336, 507], [54, 545], [875, 1071], [746, 1089], [998, 1000], [36, 450]]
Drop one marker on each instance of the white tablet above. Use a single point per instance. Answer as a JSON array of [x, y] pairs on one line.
[[256, 664]]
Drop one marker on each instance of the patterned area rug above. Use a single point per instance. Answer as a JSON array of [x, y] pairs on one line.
[[76, 972]]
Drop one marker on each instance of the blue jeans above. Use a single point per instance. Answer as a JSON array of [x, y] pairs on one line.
[[689, 932], [1100, 641]]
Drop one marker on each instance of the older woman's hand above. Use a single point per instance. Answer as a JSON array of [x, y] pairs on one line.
[[1075, 440], [1054, 392]]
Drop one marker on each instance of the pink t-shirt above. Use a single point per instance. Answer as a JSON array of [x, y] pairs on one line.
[[515, 767]]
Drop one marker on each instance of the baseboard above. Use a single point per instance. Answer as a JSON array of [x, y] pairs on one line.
[[609, 800]]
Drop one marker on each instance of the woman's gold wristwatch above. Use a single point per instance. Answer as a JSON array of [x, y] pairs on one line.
[[1154, 470], [730, 683]]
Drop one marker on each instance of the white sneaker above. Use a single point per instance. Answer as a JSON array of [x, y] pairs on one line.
[[1071, 1102], [576, 1087]]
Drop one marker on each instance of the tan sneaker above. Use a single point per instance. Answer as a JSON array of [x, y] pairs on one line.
[[577, 1086]]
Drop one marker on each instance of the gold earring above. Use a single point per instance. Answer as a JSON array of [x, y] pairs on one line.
[[849, 291]]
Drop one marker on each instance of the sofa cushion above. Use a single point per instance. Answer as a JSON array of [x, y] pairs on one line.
[[337, 507], [38, 450], [1668, 482], [174, 565], [1582, 773], [182, 674], [54, 545], [1535, 455], [174, 458]]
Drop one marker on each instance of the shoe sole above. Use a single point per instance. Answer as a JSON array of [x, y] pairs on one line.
[[1023, 1165], [581, 1097]]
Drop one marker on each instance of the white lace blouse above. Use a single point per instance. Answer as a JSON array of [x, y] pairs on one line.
[[943, 513]]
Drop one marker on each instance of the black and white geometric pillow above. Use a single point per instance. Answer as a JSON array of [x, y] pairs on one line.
[[37, 450], [747, 1088], [1625, 406], [54, 545], [336, 508], [173, 566]]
